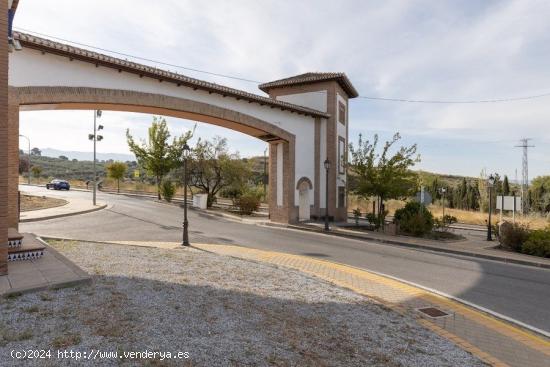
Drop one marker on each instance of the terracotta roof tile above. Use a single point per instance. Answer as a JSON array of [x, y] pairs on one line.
[[49, 46], [308, 78]]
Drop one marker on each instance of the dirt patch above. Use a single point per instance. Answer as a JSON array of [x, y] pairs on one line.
[[30, 202]]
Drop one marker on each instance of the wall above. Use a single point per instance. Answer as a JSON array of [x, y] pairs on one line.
[[4, 142]]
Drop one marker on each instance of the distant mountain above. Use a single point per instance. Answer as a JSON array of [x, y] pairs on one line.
[[87, 156]]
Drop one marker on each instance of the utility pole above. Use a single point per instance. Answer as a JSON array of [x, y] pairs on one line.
[[524, 143]]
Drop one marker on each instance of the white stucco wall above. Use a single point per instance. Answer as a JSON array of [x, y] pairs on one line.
[[315, 100], [341, 131], [30, 68]]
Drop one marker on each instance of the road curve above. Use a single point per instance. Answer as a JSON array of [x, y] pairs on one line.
[[518, 292]]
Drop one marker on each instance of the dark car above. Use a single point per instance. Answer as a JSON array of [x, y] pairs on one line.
[[58, 185]]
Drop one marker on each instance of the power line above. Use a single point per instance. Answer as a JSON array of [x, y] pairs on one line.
[[386, 99]]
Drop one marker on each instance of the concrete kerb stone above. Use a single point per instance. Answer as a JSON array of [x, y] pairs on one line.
[[100, 207], [532, 263]]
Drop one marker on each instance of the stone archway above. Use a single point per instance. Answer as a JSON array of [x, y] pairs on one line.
[[281, 142]]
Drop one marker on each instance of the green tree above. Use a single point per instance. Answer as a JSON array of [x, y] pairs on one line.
[[157, 155], [384, 175], [505, 186], [116, 171], [36, 171], [212, 168]]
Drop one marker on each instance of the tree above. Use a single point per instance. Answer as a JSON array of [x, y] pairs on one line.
[[116, 170], [23, 165], [157, 155], [384, 175], [36, 151], [505, 186], [63, 158], [36, 171], [212, 168]]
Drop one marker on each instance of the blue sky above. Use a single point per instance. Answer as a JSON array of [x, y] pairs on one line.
[[431, 50]]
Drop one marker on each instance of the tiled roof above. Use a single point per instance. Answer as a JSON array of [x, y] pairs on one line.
[[72, 52], [308, 78]]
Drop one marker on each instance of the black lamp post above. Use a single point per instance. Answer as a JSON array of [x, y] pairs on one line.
[[443, 191], [327, 168], [490, 183], [186, 152]]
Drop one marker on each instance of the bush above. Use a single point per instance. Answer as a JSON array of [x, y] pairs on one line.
[[414, 219], [513, 236], [231, 192], [538, 243], [445, 222], [167, 190], [248, 202]]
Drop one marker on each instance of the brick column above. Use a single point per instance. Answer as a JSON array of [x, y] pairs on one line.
[[4, 141], [13, 165], [287, 212]]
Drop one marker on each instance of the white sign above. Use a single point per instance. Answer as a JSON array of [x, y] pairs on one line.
[[507, 203]]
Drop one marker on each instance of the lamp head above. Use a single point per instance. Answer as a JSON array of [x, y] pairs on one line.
[[491, 180], [98, 113], [327, 164], [186, 151]]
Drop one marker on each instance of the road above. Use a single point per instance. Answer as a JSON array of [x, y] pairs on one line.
[[518, 292]]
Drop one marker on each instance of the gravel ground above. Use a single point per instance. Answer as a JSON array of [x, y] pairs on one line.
[[222, 311]]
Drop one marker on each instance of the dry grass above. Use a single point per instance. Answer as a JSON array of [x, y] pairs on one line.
[[29, 202], [534, 221]]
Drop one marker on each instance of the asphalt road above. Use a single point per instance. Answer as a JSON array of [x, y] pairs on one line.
[[518, 292]]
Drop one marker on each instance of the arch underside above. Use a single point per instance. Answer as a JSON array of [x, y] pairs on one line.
[[84, 98]]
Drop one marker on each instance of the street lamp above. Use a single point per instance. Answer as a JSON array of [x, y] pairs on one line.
[[29, 167], [95, 138], [327, 168], [443, 191], [186, 152], [490, 183]]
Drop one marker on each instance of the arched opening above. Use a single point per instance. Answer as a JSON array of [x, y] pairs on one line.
[[281, 142], [304, 188]]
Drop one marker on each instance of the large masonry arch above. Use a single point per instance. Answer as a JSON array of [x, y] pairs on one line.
[[304, 119]]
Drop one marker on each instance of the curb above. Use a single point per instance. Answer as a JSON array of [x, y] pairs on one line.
[[416, 246], [63, 215]]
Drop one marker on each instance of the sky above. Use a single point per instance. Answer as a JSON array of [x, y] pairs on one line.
[[419, 50]]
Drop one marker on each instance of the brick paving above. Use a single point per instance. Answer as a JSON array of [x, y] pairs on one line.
[[494, 341]]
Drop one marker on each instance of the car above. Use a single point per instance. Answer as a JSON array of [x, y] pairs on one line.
[[58, 185]]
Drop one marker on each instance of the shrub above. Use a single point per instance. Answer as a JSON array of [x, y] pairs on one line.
[[167, 189], [538, 243], [232, 192], [445, 222], [513, 236], [248, 202], [414, 219]]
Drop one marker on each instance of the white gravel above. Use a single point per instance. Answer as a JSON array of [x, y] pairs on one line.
[[222, 311]]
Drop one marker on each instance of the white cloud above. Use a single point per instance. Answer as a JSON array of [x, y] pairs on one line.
[[418, 50]]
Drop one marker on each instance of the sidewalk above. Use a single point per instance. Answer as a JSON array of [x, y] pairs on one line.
[[467, 247], [496, 342], [74, 206]]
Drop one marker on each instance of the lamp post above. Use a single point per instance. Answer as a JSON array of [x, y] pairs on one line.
[[490, 183], [186, 152], [265, 174], [327, 168], [95, 138], [443, 191], [29, 167]]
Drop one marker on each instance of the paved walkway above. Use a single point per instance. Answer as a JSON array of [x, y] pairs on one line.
[[495, 342], [52, 270], [74, 206], [469, 247]]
